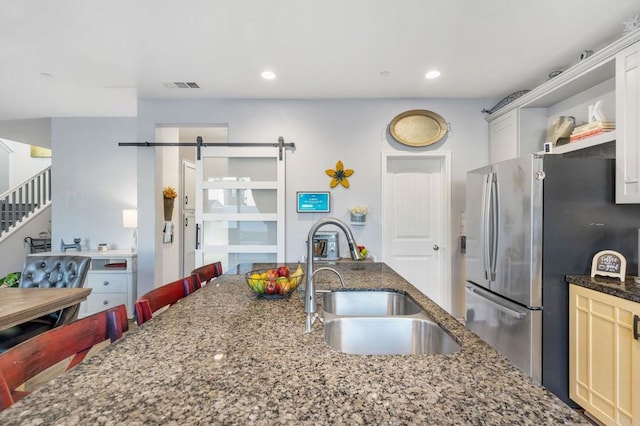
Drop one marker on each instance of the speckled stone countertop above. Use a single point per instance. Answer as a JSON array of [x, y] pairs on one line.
[[628, 289], [221, 356]]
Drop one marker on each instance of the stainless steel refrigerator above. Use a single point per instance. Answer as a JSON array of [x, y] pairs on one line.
[[530, 222]]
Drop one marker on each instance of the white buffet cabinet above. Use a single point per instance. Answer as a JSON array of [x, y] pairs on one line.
[[112, 278]]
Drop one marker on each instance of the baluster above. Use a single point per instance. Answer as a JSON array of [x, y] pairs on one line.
[[39, 191]]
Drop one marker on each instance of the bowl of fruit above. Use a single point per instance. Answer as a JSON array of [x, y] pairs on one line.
[[363, 251], [274, 283]]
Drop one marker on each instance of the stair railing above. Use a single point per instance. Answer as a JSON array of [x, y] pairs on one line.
[[23, 200]]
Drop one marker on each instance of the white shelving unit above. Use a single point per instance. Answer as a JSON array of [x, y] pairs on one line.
[[585, 143]]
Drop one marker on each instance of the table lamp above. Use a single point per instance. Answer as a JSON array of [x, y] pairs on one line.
[[130, 220]]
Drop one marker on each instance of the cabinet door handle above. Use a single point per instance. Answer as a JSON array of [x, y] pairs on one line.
[[105, 283], [106, 302], [636, 333]]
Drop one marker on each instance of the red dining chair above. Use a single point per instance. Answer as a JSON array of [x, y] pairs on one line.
[[206, 273], [160, 297], [25, 360]]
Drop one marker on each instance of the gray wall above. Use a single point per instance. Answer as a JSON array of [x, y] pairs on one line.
[[94, 179], [324, 131]]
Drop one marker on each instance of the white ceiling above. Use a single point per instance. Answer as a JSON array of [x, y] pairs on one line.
[[104, 54]]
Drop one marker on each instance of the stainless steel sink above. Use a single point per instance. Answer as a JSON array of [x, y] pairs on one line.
[[371, 302], [387, 336]]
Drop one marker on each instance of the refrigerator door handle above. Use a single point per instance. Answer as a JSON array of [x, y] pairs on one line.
[[486, 229], [496, 304], [495, 209]]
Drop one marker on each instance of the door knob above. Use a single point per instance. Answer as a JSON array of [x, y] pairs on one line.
[[436, 247]]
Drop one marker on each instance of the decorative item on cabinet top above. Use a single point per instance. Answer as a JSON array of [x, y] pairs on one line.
[[506, 100], [418, 127], [609, 263]]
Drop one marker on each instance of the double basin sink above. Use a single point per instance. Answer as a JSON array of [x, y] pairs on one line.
[[381, 322]]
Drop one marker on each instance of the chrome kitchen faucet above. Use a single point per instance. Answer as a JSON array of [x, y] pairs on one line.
[[310, 304]]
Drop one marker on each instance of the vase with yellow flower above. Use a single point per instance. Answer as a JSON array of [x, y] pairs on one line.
[[169, 195]]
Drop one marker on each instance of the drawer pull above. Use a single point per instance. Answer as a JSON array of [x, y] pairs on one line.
[[105, 283], [636, 333], [106, 302]]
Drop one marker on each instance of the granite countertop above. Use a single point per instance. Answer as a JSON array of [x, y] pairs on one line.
[[628, 289], [221, 356]]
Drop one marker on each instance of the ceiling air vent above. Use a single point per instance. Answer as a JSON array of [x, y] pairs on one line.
[[182, 85]]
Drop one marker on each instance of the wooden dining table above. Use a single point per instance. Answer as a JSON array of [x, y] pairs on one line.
[[18, 305]]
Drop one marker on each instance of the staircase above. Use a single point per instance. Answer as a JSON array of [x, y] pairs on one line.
[[23, 200]]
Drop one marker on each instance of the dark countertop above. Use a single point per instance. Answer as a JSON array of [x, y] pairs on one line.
[[628, 289], [221, 356]]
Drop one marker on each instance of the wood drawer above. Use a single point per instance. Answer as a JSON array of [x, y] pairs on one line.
[[107, 283], [100, 301]]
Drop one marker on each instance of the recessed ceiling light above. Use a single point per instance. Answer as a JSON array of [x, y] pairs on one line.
[[432, 74], [268, 75]]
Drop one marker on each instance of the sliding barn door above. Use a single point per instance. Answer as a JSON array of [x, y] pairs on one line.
[[240, 206]]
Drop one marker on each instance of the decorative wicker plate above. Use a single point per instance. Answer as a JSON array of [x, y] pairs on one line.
[[418, 127]]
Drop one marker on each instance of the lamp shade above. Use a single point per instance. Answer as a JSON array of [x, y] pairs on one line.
[[130, 218]]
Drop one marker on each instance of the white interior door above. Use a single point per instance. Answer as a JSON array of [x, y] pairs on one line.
[[188, 186], [416, 218], [189, 241], [188, 218], [240, 206]]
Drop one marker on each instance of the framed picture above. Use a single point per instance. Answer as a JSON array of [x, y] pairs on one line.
[[313, 202], [40, 152]]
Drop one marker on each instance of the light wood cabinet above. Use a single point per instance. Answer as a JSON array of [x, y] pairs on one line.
[[604, 356], [112, 278], [628, 125]]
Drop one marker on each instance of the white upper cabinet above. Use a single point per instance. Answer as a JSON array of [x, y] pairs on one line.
[[628, 124], [503, 137], [612, 76]]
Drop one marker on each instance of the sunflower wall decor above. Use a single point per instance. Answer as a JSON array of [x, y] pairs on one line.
[[339, 175]]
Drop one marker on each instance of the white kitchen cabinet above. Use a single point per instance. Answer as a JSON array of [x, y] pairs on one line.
[[628, 125], [610, 75], [503, 137], [112, 278], [604, 367]]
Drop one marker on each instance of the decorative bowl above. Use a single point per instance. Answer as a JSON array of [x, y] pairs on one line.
[[267, 284]]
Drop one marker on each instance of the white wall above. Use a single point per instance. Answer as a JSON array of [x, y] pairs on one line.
[[168, 254], [22, 165], [36, 131], [13, 249], [324, 131], [93, 180]]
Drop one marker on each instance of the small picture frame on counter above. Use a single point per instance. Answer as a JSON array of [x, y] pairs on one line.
[[609, 263]]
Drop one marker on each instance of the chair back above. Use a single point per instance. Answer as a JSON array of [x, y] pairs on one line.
[[56, 271], [24, 361], [160, 297], [206, 273]]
